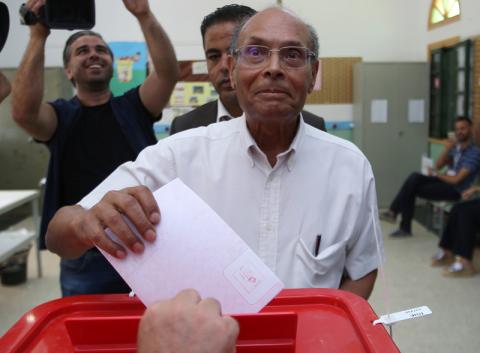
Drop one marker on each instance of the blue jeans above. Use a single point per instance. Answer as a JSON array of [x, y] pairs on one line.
[[91, 273]]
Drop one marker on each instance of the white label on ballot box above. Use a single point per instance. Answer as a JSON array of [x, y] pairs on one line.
[[414, 313], [196, 249]]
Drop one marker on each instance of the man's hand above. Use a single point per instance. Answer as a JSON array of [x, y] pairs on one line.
[[137, 7], [186, 324], [73, 230], [431, 171], [38, 29], [467, 194]]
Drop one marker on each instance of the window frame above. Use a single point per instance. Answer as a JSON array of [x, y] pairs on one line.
[[444, 22]]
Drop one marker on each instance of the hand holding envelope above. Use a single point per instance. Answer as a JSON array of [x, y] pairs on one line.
[[87, 227], [195, 249]]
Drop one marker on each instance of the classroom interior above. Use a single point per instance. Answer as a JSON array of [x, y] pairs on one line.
[[393, 77]]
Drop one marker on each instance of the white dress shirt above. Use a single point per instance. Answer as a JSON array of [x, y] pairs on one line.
[[222, 111], [322, 185]]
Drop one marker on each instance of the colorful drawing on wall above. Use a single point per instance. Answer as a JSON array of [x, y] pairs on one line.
[[192, 94], [129, 67]]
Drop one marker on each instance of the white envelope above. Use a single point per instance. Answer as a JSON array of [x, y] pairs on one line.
[[196, 249]]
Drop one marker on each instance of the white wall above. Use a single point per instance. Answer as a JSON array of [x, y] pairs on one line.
[[115, 23], [377, 30]]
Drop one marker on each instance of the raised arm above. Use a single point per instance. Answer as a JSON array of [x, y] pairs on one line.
[[36, 118], [444, 158], [155, 91], [73, 230], [4, 87]]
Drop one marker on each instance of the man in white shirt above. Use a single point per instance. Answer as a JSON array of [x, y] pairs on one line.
[[302, 199], [217, 29]]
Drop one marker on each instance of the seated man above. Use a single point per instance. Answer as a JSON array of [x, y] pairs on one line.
[[461, 157], [217, 30], [458, 238], [273, 178]]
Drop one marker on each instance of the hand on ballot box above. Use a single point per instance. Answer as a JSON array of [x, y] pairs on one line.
[[187, 323]]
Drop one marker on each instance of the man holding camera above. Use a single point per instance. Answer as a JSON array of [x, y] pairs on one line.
[[93, 133]]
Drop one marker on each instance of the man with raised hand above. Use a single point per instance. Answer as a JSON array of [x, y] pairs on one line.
[[93, 133]]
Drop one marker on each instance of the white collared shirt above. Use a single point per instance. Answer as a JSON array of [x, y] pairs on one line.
[[322, 185], [222, 111]]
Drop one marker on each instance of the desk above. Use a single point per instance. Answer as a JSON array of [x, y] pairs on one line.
[[9, 200]]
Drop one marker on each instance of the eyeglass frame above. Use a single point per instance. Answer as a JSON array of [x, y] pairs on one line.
[[309, 55]]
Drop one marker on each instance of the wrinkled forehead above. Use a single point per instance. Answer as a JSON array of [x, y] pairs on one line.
[[274, 28]]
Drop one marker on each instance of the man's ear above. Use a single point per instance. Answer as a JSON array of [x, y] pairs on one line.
[[69, 73], [231, 62], [315, 67]]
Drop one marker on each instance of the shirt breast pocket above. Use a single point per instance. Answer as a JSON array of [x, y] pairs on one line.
[[323, 270]]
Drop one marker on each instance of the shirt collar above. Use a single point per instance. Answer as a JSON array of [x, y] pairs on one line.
[[221, 110], [252, 148]]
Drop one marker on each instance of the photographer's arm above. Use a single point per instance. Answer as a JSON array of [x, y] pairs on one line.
[[4, 87], [28, 111], [155, 91]]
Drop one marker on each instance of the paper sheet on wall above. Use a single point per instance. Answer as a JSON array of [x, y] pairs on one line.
[[379, 111], [427, 164], [416, 111], [196, 249]]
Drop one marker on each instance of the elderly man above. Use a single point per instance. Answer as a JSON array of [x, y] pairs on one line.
[[217, 30], [302, 199]]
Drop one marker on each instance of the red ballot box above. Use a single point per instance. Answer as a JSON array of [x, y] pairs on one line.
[[296, 320]]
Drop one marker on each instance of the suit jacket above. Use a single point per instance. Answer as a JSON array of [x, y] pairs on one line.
[[207, 114]]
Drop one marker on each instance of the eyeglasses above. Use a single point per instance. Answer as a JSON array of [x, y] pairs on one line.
[[290, 57]]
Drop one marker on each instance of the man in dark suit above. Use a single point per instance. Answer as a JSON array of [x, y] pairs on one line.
[[217, 29]]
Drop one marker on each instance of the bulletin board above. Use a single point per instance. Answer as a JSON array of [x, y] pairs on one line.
[[335, 81], [193, 88]]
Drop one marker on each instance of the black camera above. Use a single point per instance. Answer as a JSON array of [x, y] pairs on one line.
[[4, 24], [61, 14]]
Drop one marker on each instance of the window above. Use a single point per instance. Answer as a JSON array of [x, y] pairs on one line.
[[443, 12], [451, 84]]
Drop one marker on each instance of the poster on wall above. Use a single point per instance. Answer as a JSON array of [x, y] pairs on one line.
[[379, 111], [416, 111], [129, 65], [192, 94]]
